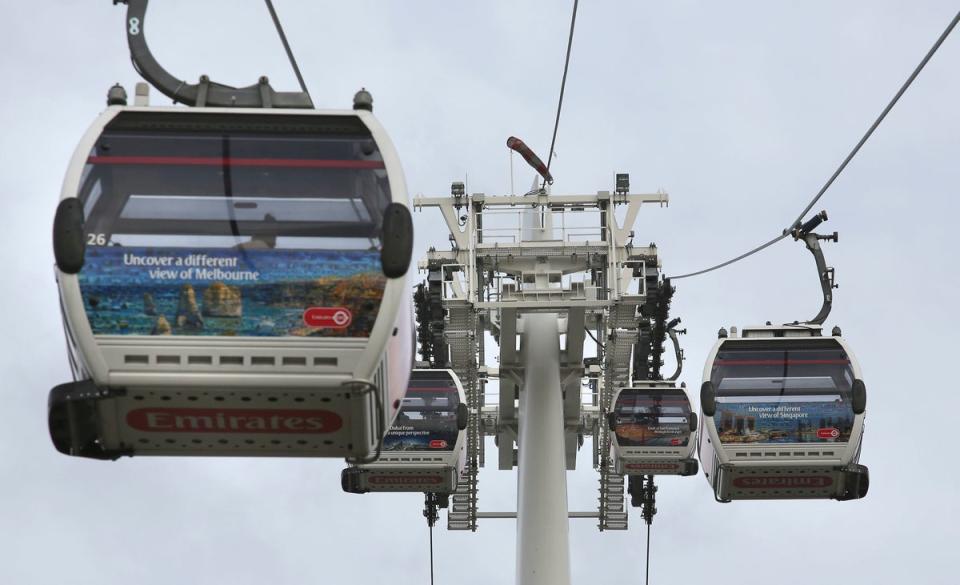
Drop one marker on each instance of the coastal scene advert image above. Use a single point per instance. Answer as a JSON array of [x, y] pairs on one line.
[[231, 292]]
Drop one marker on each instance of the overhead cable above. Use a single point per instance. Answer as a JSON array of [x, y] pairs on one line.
[[648, 554], [563, 84], [731, 261], [286, 46], [431, 554], [846, 161]]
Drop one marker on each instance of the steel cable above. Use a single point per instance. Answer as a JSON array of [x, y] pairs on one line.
[[431, 554], [286, 46], [846, 161], [648, 554], [563, 85]]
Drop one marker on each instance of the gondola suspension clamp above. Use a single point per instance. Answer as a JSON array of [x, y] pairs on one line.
[[205, 93]]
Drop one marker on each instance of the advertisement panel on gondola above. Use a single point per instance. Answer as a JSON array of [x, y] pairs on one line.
[[800, 421], [427, 420], [422, 434], [231, 292]]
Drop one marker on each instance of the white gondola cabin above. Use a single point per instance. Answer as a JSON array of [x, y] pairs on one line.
[[424, 450], [782, 414], [232, 282], [653, 430]]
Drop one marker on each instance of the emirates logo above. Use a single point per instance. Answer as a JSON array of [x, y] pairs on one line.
[[405, 480], [652, 466], [783, 482], [233, 421]]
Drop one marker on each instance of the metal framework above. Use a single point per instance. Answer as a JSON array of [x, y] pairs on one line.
[[519, 266]]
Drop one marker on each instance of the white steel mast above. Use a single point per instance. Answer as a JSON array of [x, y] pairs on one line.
[[543, 548]]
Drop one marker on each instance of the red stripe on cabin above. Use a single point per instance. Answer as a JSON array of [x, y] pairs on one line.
[[643, 399], [723, 362], [216, 161]]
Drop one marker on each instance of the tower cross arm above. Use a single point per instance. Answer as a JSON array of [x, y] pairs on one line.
[[542, 198]]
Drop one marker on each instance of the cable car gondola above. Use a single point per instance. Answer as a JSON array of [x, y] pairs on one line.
[[424, 450], [783, 410], [232, 282], [654, 430]]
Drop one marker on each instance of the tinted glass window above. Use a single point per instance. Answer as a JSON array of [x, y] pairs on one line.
[[652, 418], [783, 393], [249, 182]]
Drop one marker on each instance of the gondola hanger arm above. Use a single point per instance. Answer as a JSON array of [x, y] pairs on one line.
[[812, 240], [673, 332], [205, 92]]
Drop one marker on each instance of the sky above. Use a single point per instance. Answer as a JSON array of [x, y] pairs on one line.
[[739, 110]]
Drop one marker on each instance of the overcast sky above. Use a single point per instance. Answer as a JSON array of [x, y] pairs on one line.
[[740, 110]]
